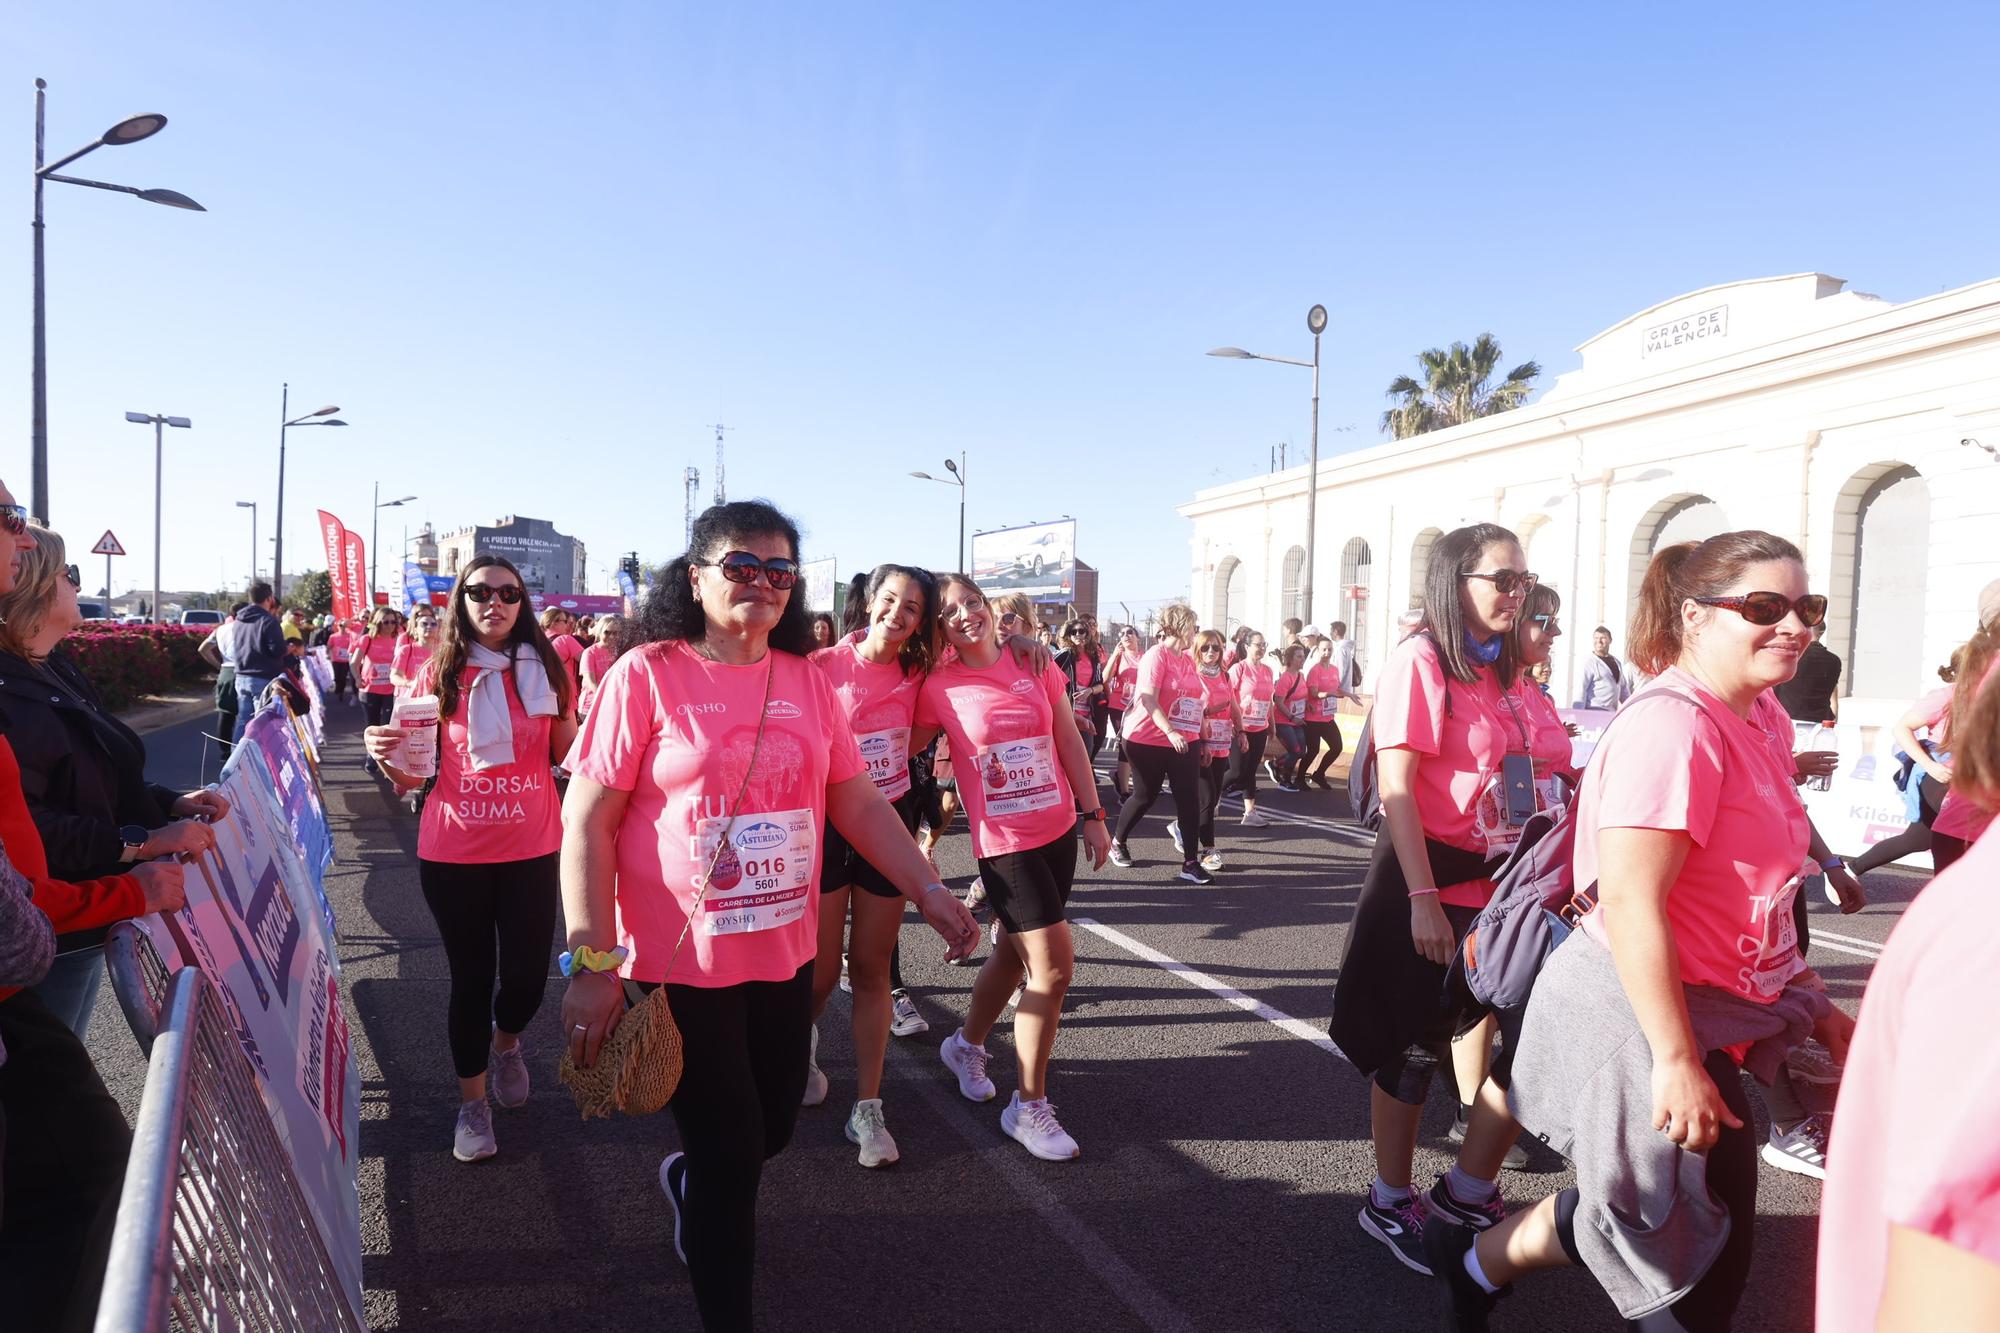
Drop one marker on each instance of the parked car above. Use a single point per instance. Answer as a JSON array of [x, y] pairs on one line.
[[93, 610], [201, 617]]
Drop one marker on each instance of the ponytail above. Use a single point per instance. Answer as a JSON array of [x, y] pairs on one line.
[[1685, 570]]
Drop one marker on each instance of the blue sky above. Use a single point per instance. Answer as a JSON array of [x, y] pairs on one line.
[[532, 251]]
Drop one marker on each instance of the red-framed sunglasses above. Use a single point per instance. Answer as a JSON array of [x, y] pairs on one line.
[[1768, 608]]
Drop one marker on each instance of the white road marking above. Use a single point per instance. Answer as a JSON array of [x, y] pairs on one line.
[[1867, 948]]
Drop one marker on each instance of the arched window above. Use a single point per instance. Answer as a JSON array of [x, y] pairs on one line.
[[1357, 571], [1678, 518], [1228, 603], [1885, 584], [1420, 564], [1288, 597]]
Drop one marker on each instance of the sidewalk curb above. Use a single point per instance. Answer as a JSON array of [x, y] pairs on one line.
[[158, 713]]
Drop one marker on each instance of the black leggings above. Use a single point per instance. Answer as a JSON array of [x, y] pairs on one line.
[[745, 1048], [381, 707], [511, 904], [1916, 838], [1100, 722], [1154, 766], [1315, 762], [343, 680], [1214, 772], [1945, 850], [1243, 765], [1732, 1178]]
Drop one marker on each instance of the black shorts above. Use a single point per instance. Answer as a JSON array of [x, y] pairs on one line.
[[1029, 890], [840, 865]]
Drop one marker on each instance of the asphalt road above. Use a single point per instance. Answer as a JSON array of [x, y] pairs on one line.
[[1225, 1148]]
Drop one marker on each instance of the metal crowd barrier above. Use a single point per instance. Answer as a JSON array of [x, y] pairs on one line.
[[213, 1231]]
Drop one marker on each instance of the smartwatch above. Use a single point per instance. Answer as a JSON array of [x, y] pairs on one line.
[[1833, 863], [134, 837], [1097, 814]]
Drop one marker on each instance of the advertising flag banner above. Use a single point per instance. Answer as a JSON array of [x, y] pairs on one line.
[[334, 538], [820, 576], [416, 589], [352, 569], [1038, 559]]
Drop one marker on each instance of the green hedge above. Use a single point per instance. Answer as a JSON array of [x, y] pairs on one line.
[[125, 662]]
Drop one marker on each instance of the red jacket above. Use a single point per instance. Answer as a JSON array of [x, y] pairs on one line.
[[70, 906]]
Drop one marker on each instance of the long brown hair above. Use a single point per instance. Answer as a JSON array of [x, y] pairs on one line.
[[1687, 570], [458, 636], [1454, 556], [1971, 662], [1975, 724]]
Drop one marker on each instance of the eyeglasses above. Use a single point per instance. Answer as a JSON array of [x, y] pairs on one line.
[[1550, 624], [1768, 608], [742, 567], [74, 575], [482, 593], [1507, 582], [14, 518], [1211, 648]]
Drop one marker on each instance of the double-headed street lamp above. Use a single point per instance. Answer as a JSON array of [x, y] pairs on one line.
[[130, 130], [251, 505], [957, 478], [309, 419], [374, 534], [1316, 323], [158, 423]]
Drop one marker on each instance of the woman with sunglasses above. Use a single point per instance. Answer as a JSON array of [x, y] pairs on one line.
[[1024, 774], [1688, 969], [876, 679], [490, 830], [374, 662], [414, 650], [1121, 681], [711, 762], [609, 634], [1086, 683], [1221, 736], [1254, 683], [1449, 731], [1163, 740], [559, 628], [1288, 699]]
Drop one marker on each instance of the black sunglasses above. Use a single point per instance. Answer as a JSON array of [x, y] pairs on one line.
[[74, 575], [1507, 581], [1768, 608], [482, 593], [743, 567]]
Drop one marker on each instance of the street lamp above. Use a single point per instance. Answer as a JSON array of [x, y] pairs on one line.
[[375, 560], [1316, 324], [158, 423], [130, 130], [251, 505], [957, 478], [285, 416]]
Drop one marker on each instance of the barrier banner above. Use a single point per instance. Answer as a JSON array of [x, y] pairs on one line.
[[334, 538], [257, 924]]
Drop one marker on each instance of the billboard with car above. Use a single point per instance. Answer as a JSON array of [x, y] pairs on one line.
[[1038, 559]]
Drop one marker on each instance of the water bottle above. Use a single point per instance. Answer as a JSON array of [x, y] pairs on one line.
[[1822, 739]]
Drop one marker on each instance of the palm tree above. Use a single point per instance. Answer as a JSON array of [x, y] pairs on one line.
[[1456, 388]]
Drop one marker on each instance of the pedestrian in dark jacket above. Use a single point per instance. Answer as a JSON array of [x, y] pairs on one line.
[[258, 652]]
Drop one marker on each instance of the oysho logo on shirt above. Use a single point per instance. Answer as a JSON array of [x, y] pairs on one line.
[[1023, 686], [760, 836], [699, 710], [782, 709]]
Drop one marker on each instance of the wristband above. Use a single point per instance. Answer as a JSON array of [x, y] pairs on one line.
[[929, 889], [587, 959], [1833, 863], [1418, 893]]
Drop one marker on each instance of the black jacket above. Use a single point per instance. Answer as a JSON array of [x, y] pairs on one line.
[[1808, 695], [82, 770], [259, 647]]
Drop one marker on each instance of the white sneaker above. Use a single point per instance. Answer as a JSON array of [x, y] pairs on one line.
[[1034, 1126], [472, 1138], [967, 1061], [1015, 998], [1174, 831], [1211, 859], [1255, 819], [904, 1020], [866, 1131], [845, 984], [673, 1184], [815, 1079]]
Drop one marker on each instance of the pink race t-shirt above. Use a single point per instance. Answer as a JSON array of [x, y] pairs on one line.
[[1288, 696], [1171, 677], [596, 660], [1324, 676], [677, 731], [506, 813], [339, 646], [569, 648], [1726, 783], [408, 661], [1957, 817], [1548, 738], [1218, 724], [375, 656], [1120, 684], [1254, 684], [1913, 1145], [1001, 722], [880, 701]]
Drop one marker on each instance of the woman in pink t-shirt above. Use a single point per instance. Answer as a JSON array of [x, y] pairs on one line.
[[1325, 687], [340, 652], [1254, 682], [560, 628], [1222, 737], [1689, 824], [1163, 741], [1960, 822], [1121, 682], [610, 634], [1023, 772], [713, 759], [374, 656], [491, 827], [1288, 704], [414, 650]]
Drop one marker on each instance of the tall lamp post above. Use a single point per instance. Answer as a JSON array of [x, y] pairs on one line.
[[309, 419], [1316, 323], [130, 130], [159, 424], [374, 559], [957, 478], [251, 505]]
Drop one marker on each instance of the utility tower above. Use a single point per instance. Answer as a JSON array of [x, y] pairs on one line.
[[720, 495], [693, 480]]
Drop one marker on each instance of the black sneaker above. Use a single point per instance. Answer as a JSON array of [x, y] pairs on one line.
[[1400, 1226], [673, 1183], [1466, 1303], [1192, 872], [1441, 1202]]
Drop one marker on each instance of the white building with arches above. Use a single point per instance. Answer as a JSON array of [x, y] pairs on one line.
[[1866, 431]]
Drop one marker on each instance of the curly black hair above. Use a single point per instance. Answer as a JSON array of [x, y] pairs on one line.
[[672, 614]]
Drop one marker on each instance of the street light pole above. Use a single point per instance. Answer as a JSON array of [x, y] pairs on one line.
[[159, 424], [286, 422], [957, 478], [130, 130], [374, 557], [251, 505]]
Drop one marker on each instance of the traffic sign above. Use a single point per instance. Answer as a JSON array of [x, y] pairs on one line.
[[107, 545]]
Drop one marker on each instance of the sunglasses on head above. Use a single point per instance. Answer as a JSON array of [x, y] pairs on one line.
[[743, 567], [14, 518], [1768, 608], [1507, 582], [482, 593]]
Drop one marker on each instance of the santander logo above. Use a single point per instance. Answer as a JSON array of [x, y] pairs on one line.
[[782, 709]]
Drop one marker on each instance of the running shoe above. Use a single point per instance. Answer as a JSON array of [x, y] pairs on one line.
[[967, 1061], [1211, 859], [866, 1131], [1517, 1156], [1271, 772], [1467, 1304], [975, 897], [371, 769], [1803, 1150], [1288, 787], [1400, 1226], [1810, 1062], [1322, 784], [815, 1078], [472, 1140], [845, 984], [1192, 872], [674, 1184], [1174, 831], [1020, 989], [1255, 819], [1120, 857], [904, 1020], [1034, 1126], [510, 1075], [1441, 1202]]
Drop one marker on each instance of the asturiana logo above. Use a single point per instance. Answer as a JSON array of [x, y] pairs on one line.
[[875, 745], [1018, 754], [782, 709], [1024, 686], [758, 837]]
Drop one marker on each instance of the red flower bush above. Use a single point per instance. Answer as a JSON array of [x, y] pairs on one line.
[[125, 662]]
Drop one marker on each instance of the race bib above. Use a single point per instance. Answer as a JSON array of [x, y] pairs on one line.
[[1322, 710], [1019, 776], [1186, 715], [1217, 734], [1256, 710], [886, 756], [1771, 955], [1489, 814], [761, 873]]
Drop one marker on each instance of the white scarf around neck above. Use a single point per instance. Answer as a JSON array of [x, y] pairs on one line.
[[488, 723]]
